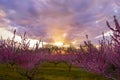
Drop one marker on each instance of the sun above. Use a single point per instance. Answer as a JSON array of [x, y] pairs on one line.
[[59, 44]]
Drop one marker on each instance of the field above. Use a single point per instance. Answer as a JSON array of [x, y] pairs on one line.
[[49, 71]]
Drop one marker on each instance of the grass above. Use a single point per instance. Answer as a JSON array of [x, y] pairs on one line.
[[48, 71]]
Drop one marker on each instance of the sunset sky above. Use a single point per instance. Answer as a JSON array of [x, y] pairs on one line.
[[66, 21]]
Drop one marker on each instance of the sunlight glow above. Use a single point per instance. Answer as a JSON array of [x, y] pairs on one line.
[[59, 44]]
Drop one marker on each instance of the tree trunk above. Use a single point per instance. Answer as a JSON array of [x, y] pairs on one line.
[[70, 66], [30, 78]]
